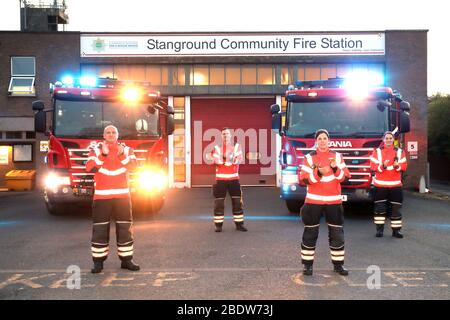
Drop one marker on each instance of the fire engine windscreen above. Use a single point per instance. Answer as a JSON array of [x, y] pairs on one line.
[[88, 119], [341, 118]]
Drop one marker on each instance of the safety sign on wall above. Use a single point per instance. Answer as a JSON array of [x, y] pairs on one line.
[[413, 149]]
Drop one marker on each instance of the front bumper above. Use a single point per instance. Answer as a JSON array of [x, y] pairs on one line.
[[73, 195], [298, 192]]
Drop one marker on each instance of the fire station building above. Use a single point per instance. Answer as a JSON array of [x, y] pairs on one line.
[[213, 80]]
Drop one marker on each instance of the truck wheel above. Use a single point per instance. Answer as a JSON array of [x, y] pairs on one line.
[[55, 209], [294, 206]]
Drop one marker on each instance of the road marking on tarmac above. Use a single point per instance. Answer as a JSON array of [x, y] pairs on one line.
[[57, 278]]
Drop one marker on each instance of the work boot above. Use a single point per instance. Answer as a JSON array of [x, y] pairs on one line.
[[98, 267], [307, 269], [218, 228], [380, 228], [341, 270], [397, 234], [240, 227], [130, 265]]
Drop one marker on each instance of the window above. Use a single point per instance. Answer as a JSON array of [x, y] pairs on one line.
[[23, 72], [31, 135], [217, 75], [248, 75], [233, 75], [13, 134], [22, 153], [265, 75], [200, 76]]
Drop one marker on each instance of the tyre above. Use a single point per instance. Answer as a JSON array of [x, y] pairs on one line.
[[55, 209], [294, 206]]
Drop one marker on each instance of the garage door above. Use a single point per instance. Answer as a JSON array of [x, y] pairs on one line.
[[250, 122]]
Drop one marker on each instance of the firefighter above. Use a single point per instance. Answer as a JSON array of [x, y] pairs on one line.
[[227, 158], [323, 171], [388, 162], [110, 161]]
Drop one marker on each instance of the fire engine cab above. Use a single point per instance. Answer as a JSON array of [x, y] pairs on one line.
[[355, 113], [81, 109]]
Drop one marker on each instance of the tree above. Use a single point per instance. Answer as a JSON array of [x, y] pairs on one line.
[[439, 125]]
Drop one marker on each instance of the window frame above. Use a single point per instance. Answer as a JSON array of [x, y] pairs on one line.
[[13, 76]]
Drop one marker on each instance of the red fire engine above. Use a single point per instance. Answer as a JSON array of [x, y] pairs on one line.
[[355, 114], [81, 109]]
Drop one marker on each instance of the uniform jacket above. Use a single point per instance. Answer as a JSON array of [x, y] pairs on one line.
[[324, 189], [388, 176], [227, 159], [111, 171]]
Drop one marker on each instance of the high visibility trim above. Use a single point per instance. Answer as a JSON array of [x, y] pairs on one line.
[[112, 172], [312, 178], [237, 216], [379, 218], [403, 160], [341, 165], [308, 258], [337, 252], [100, 255], [306, 169], [328, 178], [390, 168], [127, 248], [108, 192], [308, 252], [219, 199], [125, 243], [323, 198], [380, 200], [307, 246], [399, 203], [100, 223], [340, 176], [97, 151], [337, 248], [379, 222], [124, 221], [312, 226], [100, 244], [231, 175], [309, 159], [387, 183], [337, 258], [125, 254], [97, 160], [334, 225], [99, 250]]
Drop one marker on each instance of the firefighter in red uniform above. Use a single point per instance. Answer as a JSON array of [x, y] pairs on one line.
[[323, 171], [110, 161], [388, 162], [227, 158]]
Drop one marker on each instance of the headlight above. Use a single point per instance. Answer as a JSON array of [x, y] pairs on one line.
[[53, 181], [289, 178], [149, 180]]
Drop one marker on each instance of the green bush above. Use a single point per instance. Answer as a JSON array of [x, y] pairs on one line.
[[439, 125]]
